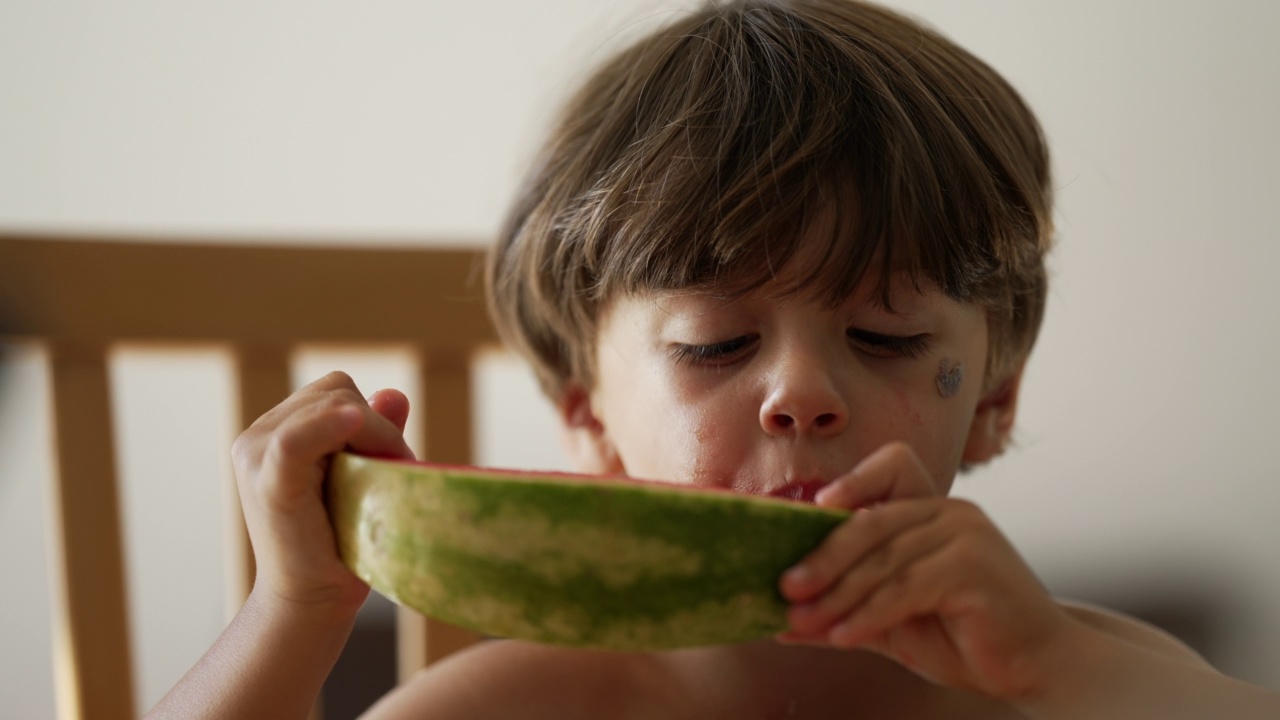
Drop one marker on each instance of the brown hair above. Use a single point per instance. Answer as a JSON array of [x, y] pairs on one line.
[[700, 156]]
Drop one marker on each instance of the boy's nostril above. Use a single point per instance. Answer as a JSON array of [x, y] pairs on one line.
[[783, 421], [825, 419]]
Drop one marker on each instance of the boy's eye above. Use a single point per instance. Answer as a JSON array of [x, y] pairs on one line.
[[890, 346], [721, 353]]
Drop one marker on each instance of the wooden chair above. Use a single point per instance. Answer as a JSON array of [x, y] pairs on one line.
[[78, 297]]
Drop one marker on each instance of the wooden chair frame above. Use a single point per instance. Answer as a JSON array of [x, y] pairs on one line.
[[78, 297]]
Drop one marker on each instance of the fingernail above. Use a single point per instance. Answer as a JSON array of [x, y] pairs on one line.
[[842, 634], [798, 577], [829, 493]]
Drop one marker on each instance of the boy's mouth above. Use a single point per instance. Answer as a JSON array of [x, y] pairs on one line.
[[801, 490]]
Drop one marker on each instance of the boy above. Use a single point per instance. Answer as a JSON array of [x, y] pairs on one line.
[[791, 248]]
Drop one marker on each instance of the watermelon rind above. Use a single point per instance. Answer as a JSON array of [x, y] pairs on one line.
[[571, 560]]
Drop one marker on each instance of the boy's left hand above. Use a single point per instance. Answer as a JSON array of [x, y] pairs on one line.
[[926, 580]]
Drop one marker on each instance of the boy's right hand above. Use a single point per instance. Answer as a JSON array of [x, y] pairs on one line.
[[280, 464]]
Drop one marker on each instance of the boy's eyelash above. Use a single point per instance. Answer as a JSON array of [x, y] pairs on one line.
[[909, 346], [878, 344], [713, 353]]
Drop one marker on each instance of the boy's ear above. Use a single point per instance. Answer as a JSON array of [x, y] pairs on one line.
[[584, 436], [992, 423]]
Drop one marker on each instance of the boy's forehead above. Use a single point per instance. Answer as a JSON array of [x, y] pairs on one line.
[[824, 260], [907, 298]]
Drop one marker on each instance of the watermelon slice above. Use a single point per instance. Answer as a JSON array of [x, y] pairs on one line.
[[568, 559]]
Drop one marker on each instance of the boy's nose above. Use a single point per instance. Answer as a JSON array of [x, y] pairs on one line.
[[800, 407]]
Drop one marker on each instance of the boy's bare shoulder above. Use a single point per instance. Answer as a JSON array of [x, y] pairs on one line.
[[1132, 630], [506, 678]]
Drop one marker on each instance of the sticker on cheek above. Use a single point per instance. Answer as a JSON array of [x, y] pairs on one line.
[[950, 375]]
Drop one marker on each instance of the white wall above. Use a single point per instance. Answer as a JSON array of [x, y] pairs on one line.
[[1145, 457]]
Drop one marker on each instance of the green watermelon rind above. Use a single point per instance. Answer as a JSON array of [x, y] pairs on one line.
[[569, 560]]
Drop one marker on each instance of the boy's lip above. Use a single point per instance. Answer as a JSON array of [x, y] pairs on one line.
[[801, 490]]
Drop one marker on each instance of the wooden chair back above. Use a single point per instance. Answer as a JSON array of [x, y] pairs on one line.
[[79, 297]]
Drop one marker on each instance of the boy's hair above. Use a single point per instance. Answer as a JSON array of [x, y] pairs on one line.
[[701, 156]]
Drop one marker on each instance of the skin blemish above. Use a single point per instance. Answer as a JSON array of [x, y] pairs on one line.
[[950, 375]]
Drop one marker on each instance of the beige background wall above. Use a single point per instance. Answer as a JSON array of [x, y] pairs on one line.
[[1146, 472]]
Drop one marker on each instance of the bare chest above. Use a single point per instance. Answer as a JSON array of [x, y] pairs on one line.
[[854, 703], [767, 692]]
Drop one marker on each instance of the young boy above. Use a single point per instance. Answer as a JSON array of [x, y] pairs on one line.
[[791, 248]]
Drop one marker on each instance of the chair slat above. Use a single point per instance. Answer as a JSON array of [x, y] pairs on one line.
[[93, 672], [422, 640], [447, 438], [262, 381]]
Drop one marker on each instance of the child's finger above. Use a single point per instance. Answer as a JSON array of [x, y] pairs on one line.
[[888, 564], [848, 544], [379, 436], [336, 420], [385, 413], [313, 433], [892, 472], [392, 405], [896, 600], [292, 450]]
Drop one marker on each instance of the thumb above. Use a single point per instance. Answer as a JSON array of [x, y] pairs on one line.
[[392, 405]]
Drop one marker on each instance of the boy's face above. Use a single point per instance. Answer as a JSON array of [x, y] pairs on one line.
[[779, 398]]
